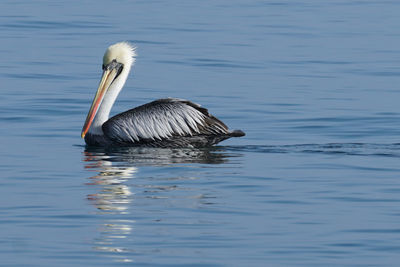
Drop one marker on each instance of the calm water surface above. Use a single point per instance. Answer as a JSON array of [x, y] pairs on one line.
[[316, 180]]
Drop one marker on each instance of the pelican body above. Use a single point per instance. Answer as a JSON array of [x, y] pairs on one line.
[[169, 122]]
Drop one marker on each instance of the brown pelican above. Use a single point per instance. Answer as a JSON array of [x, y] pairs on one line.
[[168, 122]]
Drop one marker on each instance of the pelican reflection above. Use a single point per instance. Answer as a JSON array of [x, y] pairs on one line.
[[114, 194], [113, 182], [134, 156]]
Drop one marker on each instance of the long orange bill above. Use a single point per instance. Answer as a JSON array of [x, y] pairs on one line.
[[106, 80]]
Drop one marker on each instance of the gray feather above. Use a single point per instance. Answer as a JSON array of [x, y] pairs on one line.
[[161, 120]]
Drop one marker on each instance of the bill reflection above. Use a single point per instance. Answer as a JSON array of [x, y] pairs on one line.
[[113, 197]]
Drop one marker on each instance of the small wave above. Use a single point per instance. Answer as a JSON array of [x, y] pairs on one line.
[[357, 149]]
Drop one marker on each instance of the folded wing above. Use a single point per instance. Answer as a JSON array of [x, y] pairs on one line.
[[163, 119]]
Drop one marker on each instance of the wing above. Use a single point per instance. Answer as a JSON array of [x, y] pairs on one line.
[[162, 119]]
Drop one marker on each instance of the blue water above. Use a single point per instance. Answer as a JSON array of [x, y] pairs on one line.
[[314, 84]]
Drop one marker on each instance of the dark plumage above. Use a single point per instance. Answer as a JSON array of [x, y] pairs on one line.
[[166, 122]]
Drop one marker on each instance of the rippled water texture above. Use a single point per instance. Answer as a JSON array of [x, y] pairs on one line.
[[314, 84]]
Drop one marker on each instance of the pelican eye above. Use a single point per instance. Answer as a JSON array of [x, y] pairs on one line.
[[112, 65]]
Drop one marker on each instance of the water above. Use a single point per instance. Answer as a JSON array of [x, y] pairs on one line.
[[314, 182]]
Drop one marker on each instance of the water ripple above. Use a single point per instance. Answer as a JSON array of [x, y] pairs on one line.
[[356, 149], [39, 24]]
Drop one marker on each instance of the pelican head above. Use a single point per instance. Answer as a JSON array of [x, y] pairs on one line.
[[122, 53], [117, 62]]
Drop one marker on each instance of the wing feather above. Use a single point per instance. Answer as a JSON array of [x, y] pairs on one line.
[[162, 119]]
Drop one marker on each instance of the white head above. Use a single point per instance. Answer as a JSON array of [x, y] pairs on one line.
[[117, 62], [122, 52]]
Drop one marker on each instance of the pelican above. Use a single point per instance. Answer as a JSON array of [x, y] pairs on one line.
[[169, 122]]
